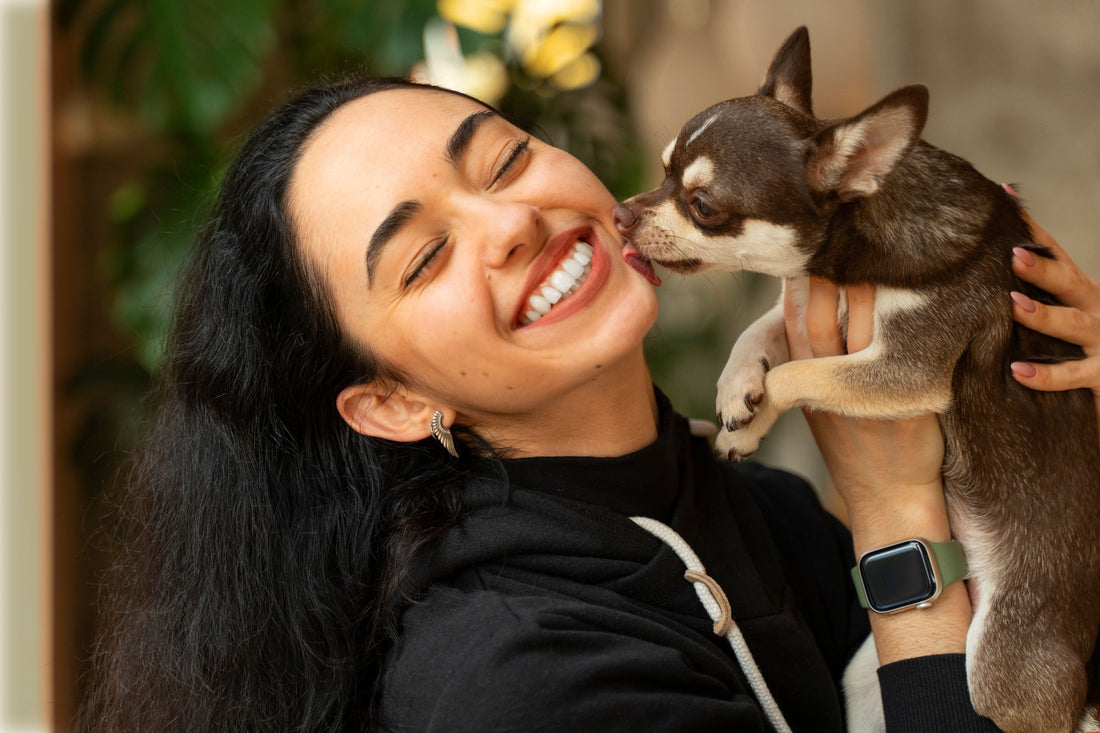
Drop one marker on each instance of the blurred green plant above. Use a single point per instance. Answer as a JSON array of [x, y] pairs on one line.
[[191, 75]]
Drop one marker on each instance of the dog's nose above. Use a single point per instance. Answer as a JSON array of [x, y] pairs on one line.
[[624, 217]]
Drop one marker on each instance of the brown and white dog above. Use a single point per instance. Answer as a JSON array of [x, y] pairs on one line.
[[758, 183]]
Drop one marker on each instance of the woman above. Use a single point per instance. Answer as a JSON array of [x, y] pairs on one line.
[[309, 555]]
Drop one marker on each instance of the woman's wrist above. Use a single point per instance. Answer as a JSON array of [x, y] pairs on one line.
[[898, 513], [920, 632], [901, 513]]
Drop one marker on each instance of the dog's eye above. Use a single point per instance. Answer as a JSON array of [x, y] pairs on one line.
[[700, 210]]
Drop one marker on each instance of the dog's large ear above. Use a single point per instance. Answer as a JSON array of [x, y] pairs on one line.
[[851, 157], [789, 79]]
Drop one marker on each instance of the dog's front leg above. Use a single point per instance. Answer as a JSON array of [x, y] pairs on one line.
[[760, 347], [875, 382]]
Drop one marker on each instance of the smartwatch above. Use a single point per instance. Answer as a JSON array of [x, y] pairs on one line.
[[907, 574]]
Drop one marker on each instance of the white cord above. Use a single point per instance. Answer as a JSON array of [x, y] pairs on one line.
[[717, 607]]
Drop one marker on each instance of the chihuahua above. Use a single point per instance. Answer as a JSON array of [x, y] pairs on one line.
[[758, 183]]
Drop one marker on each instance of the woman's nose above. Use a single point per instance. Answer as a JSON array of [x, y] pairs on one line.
[[510, 228]]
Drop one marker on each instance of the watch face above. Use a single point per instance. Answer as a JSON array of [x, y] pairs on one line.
[[897, 577]]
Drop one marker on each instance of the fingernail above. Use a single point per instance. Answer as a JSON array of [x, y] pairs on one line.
[[1023, 301], [1024, 256], [1022, 369], [1010, 190]]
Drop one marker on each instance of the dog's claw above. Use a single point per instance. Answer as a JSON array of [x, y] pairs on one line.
[[752, 400], [732, 455]]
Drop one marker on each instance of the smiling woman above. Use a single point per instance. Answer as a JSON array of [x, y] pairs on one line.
[[493, 279], [388, 266]]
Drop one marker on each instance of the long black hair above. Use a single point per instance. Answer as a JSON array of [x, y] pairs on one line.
[[268, 544]]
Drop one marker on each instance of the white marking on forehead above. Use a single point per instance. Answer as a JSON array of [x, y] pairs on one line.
[[699, 130], [666, 156], [699, 174]]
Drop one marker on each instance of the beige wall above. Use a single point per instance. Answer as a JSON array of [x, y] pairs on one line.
[[23, 473]]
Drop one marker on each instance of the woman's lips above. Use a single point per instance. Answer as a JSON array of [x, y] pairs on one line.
[[640, 262], [561, 249]]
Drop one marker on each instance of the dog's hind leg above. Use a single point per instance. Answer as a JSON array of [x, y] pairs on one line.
[[862, 696], [1023, 688]]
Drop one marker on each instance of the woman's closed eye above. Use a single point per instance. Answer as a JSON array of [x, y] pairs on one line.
[[513, 154], [424, 261]]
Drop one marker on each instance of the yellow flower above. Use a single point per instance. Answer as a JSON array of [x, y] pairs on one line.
[[533, 19], [577, 74], [483, 16], [561, 47]]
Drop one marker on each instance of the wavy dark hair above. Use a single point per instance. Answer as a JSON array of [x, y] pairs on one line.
[[268, 545]]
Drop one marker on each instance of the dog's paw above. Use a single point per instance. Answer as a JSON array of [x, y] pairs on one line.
[[740, 391], [736, 445]]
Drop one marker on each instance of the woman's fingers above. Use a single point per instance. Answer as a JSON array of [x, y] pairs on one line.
[[1060, 277], [861, 317], [1067, 323], [1076, 321], [822, 327], [823, 335], [794, 318], [1058, 377]]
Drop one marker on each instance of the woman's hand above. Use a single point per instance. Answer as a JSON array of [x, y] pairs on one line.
[[878, 466], [1077, 321]]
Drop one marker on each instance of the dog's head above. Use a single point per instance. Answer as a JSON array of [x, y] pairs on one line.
[[750, 183]]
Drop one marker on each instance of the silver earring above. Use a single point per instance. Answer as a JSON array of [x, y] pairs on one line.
[[443, 434]]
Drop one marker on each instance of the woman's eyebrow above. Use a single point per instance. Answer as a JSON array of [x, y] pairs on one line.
[[457, 145], [464, 133], [386, 232]]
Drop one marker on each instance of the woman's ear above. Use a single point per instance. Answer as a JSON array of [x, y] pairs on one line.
[[391, 414]]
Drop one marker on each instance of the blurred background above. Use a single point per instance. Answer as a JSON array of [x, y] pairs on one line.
[[119, 116]]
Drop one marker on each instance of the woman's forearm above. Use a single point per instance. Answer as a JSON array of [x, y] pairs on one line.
[[939, 629]]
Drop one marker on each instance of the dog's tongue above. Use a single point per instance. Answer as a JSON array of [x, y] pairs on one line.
[[640, 262]]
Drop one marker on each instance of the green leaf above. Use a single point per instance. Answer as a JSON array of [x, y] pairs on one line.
[[180, 63]]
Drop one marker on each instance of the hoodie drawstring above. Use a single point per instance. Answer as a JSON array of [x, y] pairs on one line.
[[718, 608]]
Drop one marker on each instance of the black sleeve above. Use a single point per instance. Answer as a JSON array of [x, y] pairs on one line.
[[929, 694]]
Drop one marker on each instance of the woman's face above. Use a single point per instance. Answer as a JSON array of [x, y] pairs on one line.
[[442, 231]]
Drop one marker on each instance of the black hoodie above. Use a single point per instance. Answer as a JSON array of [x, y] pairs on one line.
[[547, 609]]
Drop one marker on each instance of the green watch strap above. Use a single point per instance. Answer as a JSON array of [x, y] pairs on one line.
[[861, 593], [950, 559]]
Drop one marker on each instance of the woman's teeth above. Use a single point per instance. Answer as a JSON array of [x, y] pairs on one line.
[[562, 283]]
